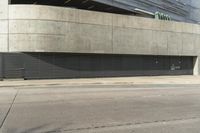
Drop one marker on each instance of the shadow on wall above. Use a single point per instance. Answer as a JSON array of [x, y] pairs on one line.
[[61, 65]]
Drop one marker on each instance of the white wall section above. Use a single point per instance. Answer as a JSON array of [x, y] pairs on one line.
[[3, 25]]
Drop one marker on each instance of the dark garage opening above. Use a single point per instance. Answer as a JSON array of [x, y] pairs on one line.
[[61, 65]]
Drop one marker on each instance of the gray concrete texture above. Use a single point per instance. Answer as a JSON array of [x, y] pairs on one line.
[[3, 9], [55, 29], [34, 28], [3, 25], [100, 108]]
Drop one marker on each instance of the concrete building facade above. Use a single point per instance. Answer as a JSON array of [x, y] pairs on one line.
[[38, 41]]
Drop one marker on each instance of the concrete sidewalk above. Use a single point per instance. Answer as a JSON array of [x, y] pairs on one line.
[[105, 81]]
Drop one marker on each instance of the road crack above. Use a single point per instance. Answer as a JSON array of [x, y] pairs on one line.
[[7, 113]]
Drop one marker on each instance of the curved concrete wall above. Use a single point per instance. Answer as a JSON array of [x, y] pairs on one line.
[[55, 29], [3, 25], [31, 28]]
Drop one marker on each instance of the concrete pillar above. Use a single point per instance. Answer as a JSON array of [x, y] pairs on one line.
[[196, 66], [4, 25], [1, 67]]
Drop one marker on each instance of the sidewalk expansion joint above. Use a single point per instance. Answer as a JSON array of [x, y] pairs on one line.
[[7, 113]]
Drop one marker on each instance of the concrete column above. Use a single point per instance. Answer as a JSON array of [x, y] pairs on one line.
[[1, 67], [4, 25], [196, 66]]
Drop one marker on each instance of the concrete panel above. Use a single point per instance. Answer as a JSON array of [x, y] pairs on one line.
[[4, 26], [3, 42], [170, 26], [174, 43], [196, 29], [89, 38], [135, 22], [145, 42], [196, 44], [95, 17], [187, 28], [59, 14], [166, 26], [42, 13], [123, 21], [160, 43], [1, 68], [76, 38], [188, 44], [37, 27], [177, 27], [125, 40], [3, 9], [146, 23], [36, 43], [132, 41], [198, 66]]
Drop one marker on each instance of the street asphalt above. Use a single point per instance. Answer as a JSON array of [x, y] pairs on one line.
[[165, 108]]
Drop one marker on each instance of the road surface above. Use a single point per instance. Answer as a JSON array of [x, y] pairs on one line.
[[100, 109]]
